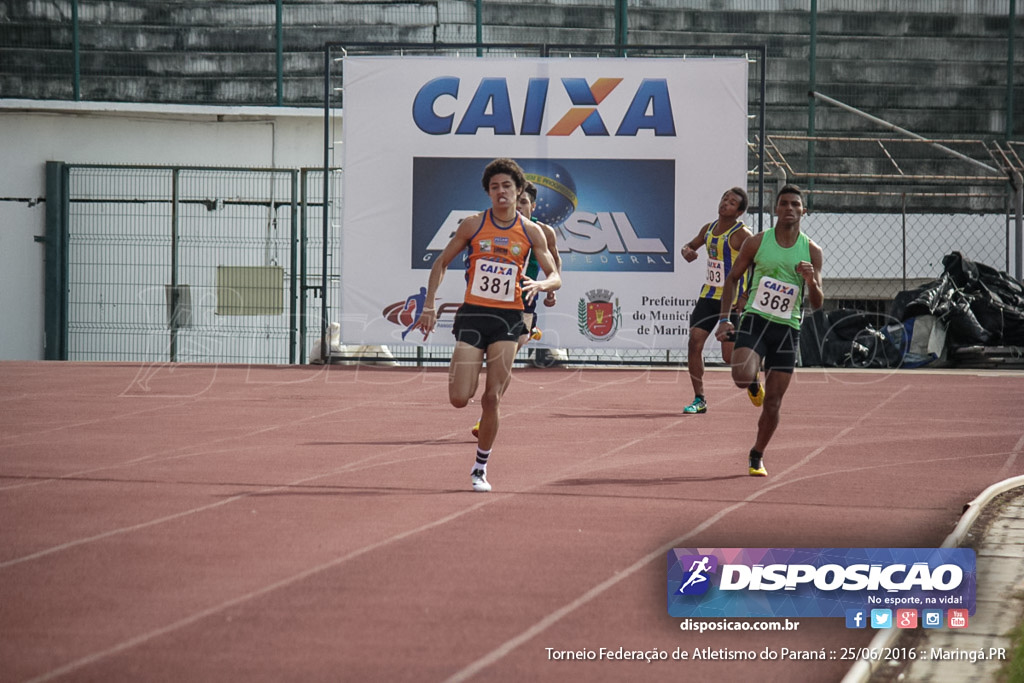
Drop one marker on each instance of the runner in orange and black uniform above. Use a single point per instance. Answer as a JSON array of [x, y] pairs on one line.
[[527, 203], [490, 320]]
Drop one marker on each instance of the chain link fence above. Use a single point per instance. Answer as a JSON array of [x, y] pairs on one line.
[[194, 264], [226, 265]]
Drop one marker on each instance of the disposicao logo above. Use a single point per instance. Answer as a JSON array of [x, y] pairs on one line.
[[818, 582], [440, 100], [696, 581]]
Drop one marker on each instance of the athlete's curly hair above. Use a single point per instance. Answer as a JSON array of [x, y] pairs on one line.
[[507, 166]]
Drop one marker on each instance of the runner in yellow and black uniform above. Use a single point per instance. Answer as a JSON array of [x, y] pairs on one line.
[[722, 239]]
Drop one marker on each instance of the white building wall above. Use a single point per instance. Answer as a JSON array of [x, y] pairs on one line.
[[34, 132]]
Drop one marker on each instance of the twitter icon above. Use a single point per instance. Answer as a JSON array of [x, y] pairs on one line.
[[881, 618]]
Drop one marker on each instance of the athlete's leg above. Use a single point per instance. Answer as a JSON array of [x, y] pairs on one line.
[[528, 319], [746, 364], [499, 372], [727, 351], [464, 373], [748, 352], [695, 358], [775, 385]]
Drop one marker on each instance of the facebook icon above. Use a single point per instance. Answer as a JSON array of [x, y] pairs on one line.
[[856, 618]]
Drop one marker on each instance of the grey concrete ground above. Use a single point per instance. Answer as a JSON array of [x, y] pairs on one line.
[[1000, 606], [994, 526]]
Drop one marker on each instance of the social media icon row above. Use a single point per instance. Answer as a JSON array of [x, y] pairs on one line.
[[905, 618]]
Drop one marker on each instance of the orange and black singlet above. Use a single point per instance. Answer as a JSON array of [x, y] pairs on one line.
[[497, 255]]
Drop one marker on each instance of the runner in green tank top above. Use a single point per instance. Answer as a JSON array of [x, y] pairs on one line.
[[780, 288], [527, 204], [787, 267]]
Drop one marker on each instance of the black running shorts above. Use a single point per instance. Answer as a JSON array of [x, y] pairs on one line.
[[481, 326], [708, 312], [775, 343]]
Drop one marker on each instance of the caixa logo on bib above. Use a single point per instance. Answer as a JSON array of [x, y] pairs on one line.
[[817, 582], [598, 315]]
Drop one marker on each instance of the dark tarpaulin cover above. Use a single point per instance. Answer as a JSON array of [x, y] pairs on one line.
[[977, 304]]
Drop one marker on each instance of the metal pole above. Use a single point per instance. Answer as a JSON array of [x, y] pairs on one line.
[[55, 318], [1018, 191], [621, 26], [75, 52], [903, 217], [762, 125], [479, 28], [295, 290], [1009, 70], [904, 131], [280, 52], [811, 102], [327, 201], [174, 265], [303, 265]]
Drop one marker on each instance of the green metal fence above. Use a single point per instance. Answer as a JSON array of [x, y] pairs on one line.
[[178, 264]]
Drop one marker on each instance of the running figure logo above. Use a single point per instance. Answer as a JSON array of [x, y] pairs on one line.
[[696, 581]]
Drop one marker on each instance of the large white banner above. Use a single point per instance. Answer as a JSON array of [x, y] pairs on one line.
[[630, 157]]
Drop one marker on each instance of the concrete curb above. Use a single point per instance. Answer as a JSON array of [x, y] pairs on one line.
[[862, 670]]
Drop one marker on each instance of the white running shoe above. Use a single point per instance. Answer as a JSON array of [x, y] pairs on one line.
[[479, 481]]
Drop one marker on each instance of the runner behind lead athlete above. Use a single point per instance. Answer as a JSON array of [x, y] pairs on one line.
[[490, 321], [787, 265], [722, 239]]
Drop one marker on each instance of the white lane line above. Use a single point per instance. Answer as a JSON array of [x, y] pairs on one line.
[[552, 618], [1007, 469], [210, 611], [237, 600]]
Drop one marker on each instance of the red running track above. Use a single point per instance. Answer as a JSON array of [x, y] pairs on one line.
[[237, 523]]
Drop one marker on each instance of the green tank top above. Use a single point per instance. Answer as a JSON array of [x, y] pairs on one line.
[[532, 269], [777, 290]]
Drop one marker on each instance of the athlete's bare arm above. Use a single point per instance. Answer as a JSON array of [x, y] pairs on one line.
[[552, 239], [463, 234], [740, 265], [544, 259], [811, 273], [736, 243], [689, 251]]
